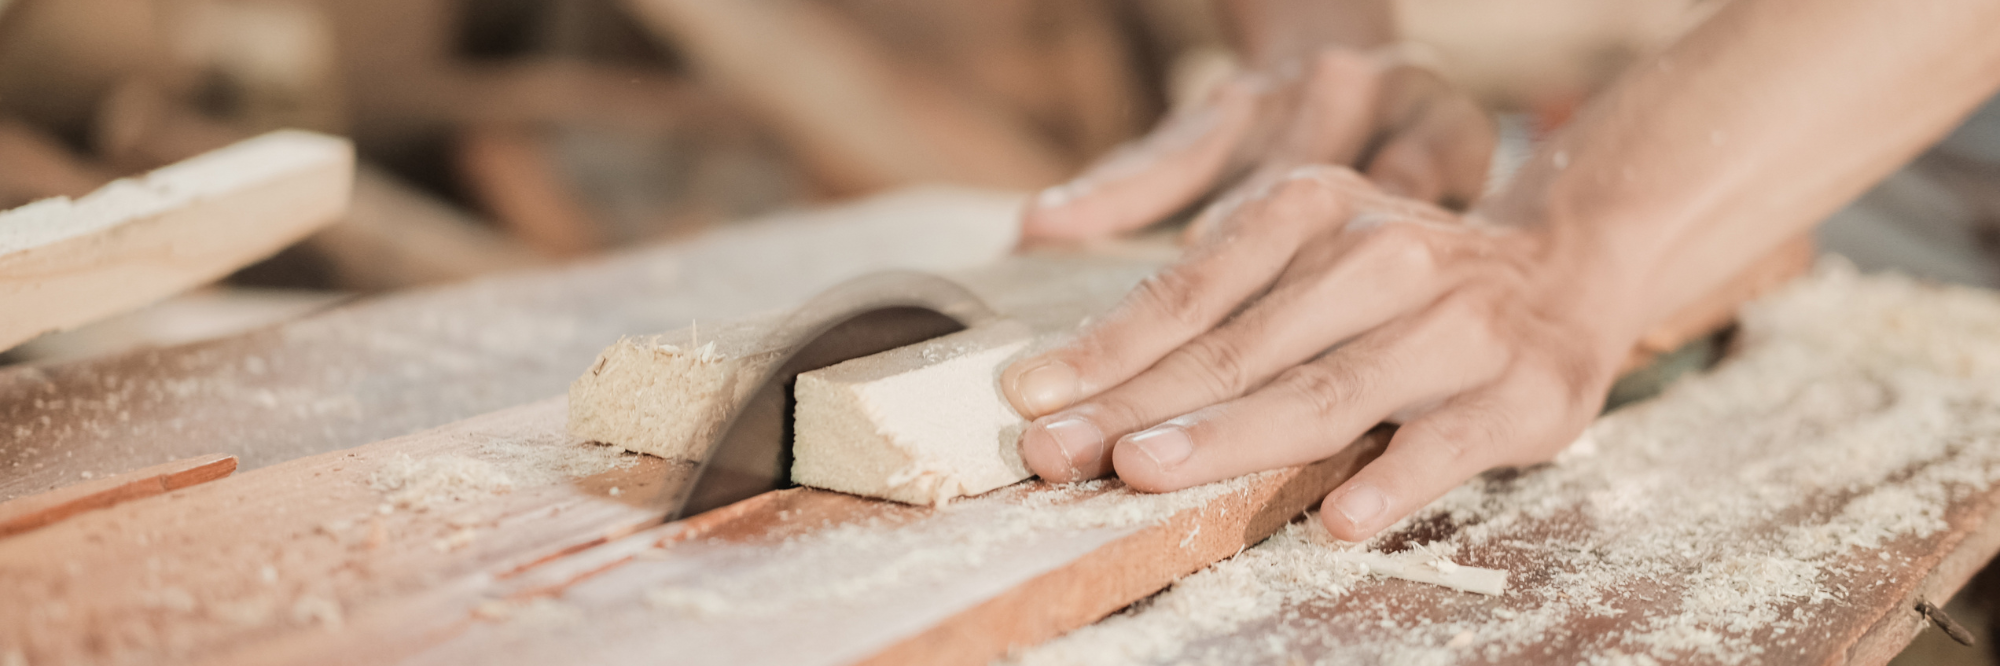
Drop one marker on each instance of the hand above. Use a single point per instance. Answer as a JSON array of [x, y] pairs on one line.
[[1322, 307], [1412, 133]]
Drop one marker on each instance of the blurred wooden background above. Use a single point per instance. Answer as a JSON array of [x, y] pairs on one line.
[[506, 133]]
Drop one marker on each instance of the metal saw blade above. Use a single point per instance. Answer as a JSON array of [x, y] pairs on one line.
[[867, 315]]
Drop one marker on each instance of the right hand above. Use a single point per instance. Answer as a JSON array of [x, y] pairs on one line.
[[1399, 124]]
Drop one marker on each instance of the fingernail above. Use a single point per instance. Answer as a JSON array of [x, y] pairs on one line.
[[1360, 504], [1079, 440], [1166, 445], [1047, 387]]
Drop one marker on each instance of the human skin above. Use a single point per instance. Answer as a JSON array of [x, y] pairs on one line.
[[1324, 305], [1321, 84]]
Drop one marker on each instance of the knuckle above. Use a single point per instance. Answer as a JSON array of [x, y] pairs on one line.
[[1327, 389], [1175, 294], [1218, 364], [1404, 249], [1470, 318], [1460, 440]]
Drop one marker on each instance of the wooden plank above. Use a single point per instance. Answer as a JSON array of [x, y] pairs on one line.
[[305, 546], [402, 601], [895, 584], [1790, 507], [372, 369], [393, 234], [27, 513], [64, 263]]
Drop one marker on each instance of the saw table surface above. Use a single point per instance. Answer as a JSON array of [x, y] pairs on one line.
[[1790, 507]]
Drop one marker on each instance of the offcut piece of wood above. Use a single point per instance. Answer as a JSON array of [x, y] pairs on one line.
[[922, 424], [393, 236], [64, 263], [34, 511], [862, 121], [669, 395]]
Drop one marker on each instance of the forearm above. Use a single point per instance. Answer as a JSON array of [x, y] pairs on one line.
[[1744, 134]]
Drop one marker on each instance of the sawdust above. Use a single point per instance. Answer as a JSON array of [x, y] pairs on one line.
[[492, 465], [1736, 514], [856, 560]]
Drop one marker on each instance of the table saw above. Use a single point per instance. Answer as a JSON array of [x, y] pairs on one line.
[[405, 491]]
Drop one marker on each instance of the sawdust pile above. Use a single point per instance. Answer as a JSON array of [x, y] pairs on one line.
[[491, 465], [1733, 516]]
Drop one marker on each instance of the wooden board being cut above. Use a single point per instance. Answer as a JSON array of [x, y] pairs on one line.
[[243, 568], [132, 242], [374, 369]]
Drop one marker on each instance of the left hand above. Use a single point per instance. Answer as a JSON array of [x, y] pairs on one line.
[[1313, 312]]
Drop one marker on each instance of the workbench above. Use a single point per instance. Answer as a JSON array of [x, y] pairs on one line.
[[406, 493]]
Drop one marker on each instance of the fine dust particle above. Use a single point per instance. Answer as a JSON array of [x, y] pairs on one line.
[[409, 483], [458, 539], [495, 466], [1726, 521], [862, 560], [542, 611], [311, 609]]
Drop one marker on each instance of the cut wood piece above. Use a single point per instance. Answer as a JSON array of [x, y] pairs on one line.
[[135, 241], [27, 513], [667, 395], [921, 424], [393, 236]]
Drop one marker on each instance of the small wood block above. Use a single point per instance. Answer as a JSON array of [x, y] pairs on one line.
[[27, 513], [135, 241]]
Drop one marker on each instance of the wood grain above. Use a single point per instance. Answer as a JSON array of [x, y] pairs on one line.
[[305, 547]]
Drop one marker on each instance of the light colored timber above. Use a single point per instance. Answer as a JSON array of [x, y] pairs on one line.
[[667, 395], [921, 424], [67, 262]]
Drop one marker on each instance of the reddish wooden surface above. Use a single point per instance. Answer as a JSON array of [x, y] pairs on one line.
[[27, 513]]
